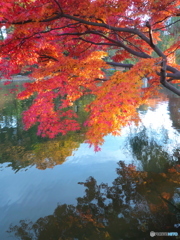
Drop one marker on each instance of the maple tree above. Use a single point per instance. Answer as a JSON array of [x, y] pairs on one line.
[[21, 149], [65, 45]]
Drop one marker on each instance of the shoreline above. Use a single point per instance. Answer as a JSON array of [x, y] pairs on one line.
[[16, 78]]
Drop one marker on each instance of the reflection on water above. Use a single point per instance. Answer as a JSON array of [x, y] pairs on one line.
[[24, 148], [152, 155], [140, 196], [174, 108], [136, 203]]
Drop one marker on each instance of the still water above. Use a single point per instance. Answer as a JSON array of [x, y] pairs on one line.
[[61, 189]]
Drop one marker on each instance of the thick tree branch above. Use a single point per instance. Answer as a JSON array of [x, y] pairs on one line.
[[150, 33], [103, 25], [125, 65], [174, 75], [163, 78]]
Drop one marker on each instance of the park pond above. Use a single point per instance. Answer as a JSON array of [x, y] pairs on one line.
[[61, 189]]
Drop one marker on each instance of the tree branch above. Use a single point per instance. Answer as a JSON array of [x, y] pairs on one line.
[[59, 6], [150, 34], [48, 57], [110, 41], [88, 41], [125, 65], [163, 78]]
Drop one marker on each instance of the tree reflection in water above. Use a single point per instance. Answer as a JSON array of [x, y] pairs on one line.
[[22, 149], [137, 202], [144, 146]]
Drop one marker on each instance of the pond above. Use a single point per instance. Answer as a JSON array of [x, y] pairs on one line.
[[62, 189]]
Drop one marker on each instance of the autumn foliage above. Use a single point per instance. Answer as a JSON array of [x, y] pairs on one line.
[[66, 46]]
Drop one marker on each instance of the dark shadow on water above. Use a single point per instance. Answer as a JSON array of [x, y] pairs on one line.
[[136, 203]]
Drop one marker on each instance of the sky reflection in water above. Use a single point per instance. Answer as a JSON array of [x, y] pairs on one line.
[[35, 193]]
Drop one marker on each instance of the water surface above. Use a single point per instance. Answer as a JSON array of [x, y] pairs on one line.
[[62, 189]]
